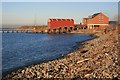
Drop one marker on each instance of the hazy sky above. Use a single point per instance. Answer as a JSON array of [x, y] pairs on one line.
[[60, 0], [23, 13]]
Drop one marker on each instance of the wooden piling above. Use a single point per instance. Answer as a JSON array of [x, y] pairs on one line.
[[2, 31], [26, 31], [7, 31], [12, 31], [16, 31], [41, 31]]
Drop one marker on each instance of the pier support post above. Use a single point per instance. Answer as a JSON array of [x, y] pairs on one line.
[[68, 30], [42, 31], [64, 29], [16, 31], [54, 30], [26, 31], [7, 31], [12, 31], [57, 30], [48, 31], [2, 31]]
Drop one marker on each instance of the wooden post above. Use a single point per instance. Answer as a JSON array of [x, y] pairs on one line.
[[12, 31], [16, 31], [48, 31], [42, 31], [54, 30], [2, 31], [59, 30], [51, 30], [7, 31], [62, 29]]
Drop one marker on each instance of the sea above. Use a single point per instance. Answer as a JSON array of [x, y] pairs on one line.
[[24, 49]]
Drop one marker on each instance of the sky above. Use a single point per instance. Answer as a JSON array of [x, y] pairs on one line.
[[60, 0], [25, 13]]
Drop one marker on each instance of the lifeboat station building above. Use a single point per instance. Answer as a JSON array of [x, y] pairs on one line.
[[98, 21], [62, 25]]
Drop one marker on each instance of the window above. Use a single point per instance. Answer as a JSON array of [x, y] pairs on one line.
[[54, 19], [96, 26], [99, 21], [59, 19], [102, 17], [68, 19], [63, 19], [102, 20], [99, 17]]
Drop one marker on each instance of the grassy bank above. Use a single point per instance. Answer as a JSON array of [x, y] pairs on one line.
[[98, 58]]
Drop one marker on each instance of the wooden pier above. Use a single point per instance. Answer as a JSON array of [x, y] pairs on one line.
[[56, 30], [12, 30]]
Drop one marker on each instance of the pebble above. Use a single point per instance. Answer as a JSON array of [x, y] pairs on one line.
[[88, 76], [97, 59]]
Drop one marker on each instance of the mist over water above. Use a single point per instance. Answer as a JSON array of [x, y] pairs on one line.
[[22, 49]]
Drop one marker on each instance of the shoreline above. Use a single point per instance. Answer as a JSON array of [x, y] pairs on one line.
[[74, 48], [76, 64]]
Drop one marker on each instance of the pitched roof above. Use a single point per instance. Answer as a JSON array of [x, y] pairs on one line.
[[86, 18], [95, 15]]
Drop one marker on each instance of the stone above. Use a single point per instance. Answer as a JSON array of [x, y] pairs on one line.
[[88, 76], [98, 58]]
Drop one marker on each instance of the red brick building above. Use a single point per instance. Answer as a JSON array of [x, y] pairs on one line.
[[59, 23], [98, 21]]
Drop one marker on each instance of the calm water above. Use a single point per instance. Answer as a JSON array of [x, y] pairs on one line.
[[22, 49]]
